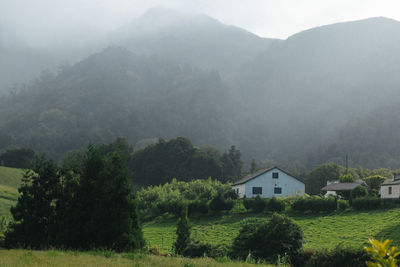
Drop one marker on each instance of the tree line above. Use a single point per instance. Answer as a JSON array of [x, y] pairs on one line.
[[86, 205]]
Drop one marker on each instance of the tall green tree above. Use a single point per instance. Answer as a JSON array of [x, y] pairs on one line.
[[182, 232], [34, 215], [107, 203], [320, 175]]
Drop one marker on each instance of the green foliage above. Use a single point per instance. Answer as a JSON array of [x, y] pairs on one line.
[[75, 206], [34, 215], [267, 239], [343, 204], [320, 175], [218, 204], [346, 178], [198, 207], [315, 204], [275, 205], [359, 191], [17, 158], [154, 200], [340, 256], [182, 232], [178, 158], [256, 204], [366, 203], [381, 254], [374, 182]]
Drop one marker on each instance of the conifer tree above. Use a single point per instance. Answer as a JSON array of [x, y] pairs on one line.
[[182, 232]]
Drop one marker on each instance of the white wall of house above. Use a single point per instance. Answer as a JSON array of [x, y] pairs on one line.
[[239, 189], [289, 185], [395, 191]]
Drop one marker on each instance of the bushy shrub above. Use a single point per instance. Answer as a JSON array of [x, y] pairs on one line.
[[366, 203], [265, 240], [359, 191], [275, 205], [343, 204], [174, 206], [196, 249], [218, 204], [315, 204], [198, 207], [156, 200], [346, 178], [256, 204], [343, 257]]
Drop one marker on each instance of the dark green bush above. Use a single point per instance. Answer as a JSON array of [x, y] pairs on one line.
[[275, 205], [198, 207], [218, 204], [359, 191], [265, 240], [343, 204], [366, 203], [315, 204], [343, 257], [172, 206], [196, 249], [256, 204]]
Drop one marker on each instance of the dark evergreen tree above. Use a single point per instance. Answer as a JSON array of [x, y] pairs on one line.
[[107, 205], [34, 215], [17, 158], [182, 232]]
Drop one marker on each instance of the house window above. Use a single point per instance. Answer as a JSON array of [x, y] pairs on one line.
[[278, 190], [275, 175], [257, 190], [390, 190], [237, 190]]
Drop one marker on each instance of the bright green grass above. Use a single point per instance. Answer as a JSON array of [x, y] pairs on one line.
[[72, 258], [351, 228], [10, 179]]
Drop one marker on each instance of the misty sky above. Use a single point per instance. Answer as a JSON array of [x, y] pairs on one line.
[[58, 21]]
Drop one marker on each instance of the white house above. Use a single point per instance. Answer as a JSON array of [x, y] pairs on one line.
[[267, 183], [390, 189]]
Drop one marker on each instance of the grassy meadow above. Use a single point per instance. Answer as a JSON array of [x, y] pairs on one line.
[[10, 179], [348, 228], [16, 258]]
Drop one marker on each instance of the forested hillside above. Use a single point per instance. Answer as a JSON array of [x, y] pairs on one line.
[[315, 97], [116, 93]]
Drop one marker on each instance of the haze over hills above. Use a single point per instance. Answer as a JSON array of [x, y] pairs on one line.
[[307, 99]]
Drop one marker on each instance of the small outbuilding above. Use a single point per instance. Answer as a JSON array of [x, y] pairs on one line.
[[268, 183], [343, 189]]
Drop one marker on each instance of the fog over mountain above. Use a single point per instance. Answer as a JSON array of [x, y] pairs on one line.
[[308, 99]]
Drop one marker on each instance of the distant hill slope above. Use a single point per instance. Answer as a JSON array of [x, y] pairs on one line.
[[195, 39], [316, 81], [116, 93]]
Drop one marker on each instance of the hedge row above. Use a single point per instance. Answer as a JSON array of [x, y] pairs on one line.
[[259, 204], [315, 204]]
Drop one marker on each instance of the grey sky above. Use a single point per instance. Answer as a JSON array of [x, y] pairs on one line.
[[43, 21]]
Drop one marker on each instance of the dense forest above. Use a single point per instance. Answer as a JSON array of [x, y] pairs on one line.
[[315, 97]]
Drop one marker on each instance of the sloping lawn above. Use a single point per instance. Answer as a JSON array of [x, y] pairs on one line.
[[349, 228]]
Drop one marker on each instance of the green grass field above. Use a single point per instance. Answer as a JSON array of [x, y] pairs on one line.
[[14, 258], [10, 179], [349, 228]]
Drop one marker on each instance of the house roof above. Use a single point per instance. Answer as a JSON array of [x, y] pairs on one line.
[[391, 182], [342, 186], [261, 172]]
